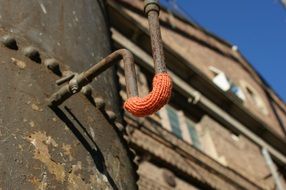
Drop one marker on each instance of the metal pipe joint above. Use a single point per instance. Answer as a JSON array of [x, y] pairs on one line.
[[76, 83], [151, 5]]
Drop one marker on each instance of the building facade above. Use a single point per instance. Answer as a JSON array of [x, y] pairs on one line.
[[224, 127]]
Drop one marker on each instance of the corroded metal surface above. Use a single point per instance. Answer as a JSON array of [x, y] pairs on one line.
[[152, 10], [74, 146], [74, 32], [70, 147], [76, 83]]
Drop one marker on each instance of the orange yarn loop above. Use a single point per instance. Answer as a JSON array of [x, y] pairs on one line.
[[155, 100]]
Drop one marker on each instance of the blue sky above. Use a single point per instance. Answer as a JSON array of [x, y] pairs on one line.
[[257, 27]]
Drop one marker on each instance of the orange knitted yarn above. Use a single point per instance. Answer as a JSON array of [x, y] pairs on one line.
[[155, 100]]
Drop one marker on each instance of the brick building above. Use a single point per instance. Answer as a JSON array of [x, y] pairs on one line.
[[224, 127]]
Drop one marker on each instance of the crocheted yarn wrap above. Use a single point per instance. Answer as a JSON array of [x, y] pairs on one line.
[[155, 100]]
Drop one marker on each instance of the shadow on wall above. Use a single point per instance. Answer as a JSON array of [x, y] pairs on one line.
[[88, 143]]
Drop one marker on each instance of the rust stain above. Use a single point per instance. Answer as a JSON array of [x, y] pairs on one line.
[[21, 147], [51, 141], [75, 181], [32, 124], [67, 151], [41, 141], [20, 64], [39, 184]]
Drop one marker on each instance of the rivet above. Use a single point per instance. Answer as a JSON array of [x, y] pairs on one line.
[[87, 90], [99, 102], [137, 160], [53, 65], [119, 126], [9, 42], [32, 53], [129, 130], [111, 115], [126, 138]]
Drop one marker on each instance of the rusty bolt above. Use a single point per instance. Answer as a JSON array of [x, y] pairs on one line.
[[74, 85], [53, 65], [87, 90], [111, 115], [9, 42], [32, 53], [74, 88], [99, 102]]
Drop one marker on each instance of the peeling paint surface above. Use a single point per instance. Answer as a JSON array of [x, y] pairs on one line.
[[41, 141], [36, 107], [72, 147], [40, 184], [67, 151], [19, 63], [76, 181]]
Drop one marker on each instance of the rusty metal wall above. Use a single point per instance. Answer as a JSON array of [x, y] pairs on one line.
[[74, 32], [74, 146]]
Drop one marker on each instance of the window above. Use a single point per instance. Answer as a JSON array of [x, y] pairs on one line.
[[255, 98], [222, 81], [181, 126], [185, 128], [237, 91], [193, 134], [174, 121]]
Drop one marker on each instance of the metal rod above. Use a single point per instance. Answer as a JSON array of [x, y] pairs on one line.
[[65, 79], [129, 69], [272, 168], [152, 10], [86, 77]]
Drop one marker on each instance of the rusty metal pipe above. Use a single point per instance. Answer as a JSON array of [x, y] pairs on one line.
[[152, 10], [86, 77], [162, 84], [129, 69]]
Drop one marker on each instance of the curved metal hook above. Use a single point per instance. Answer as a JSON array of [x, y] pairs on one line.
[[162, 84]]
